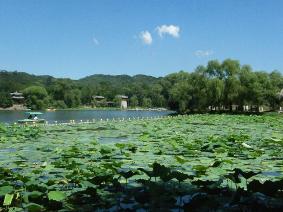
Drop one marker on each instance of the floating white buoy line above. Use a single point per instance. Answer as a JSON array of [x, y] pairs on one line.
[[72, 121]]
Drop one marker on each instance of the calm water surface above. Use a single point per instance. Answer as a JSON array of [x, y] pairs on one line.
[[67, 115]]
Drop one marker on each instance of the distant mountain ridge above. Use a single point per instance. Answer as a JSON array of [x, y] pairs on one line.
[[11, 81], [115, 79]]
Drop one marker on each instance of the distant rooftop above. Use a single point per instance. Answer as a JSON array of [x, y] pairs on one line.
[[18, 97], [122, 96], [98, 97], [16, 94]]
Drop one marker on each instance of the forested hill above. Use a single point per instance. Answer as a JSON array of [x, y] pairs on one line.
[[216, 85], [65, 92], [17, 81], [117, 80]]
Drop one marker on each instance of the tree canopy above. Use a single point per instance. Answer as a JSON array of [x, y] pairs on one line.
[[216, 85]]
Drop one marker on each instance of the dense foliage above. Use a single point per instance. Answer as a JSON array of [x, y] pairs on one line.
[[217, 85], [200, 162], [5, 99]]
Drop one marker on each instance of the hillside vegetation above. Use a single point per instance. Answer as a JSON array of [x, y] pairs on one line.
[[218, 85]]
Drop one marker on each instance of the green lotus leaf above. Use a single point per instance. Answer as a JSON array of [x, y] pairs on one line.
[[6, 190], [216, 163], [33, 207], [15, 209], [180, 159], [8, 199], [56, 195], [200, 169], [120, 145], [35, 194], [86, 184]]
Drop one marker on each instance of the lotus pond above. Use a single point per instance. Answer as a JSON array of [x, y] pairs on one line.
[[182, 163]]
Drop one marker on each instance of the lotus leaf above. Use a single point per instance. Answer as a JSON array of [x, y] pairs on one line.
[[56, 195]]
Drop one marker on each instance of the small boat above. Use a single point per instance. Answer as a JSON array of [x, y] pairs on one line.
[[32, 118]]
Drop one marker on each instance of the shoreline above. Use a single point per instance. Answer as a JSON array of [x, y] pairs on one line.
[[85, 109]]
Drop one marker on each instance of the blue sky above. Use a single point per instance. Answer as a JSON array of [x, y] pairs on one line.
[[76, 38]]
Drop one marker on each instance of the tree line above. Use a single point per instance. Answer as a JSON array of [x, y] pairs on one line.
[[217, 85]]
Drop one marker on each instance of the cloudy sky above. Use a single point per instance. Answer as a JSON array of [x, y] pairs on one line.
[[72, 38]]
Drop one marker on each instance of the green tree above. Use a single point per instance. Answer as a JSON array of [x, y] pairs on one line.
[[134, 101], [36, 97], [59, 104], [72, 98], [146, 102], [5, 100], [197, 92], [180, 91], [158, 99], [276, 87], [215, 92], [231, 69], [117, 101], [86, 95], [214, 70]]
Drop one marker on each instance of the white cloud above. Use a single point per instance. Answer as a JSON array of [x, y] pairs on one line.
[[146, 38], [95, 41], [203, 53], [168, 29]]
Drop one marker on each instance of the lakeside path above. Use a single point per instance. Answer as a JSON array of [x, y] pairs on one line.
[[206, 148]]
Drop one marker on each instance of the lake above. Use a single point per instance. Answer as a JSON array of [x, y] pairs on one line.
[[77, 115]]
